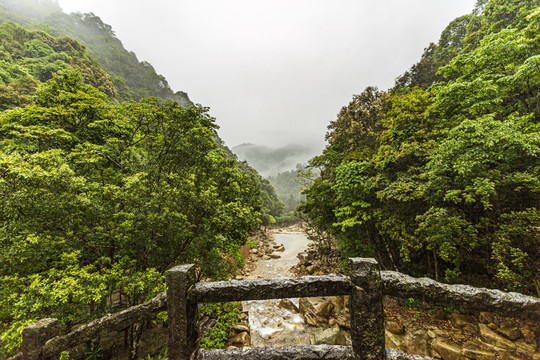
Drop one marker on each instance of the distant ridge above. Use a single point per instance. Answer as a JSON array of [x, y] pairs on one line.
[[271, 161]]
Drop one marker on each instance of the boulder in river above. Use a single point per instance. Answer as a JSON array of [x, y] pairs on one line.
[[330, 336], [288, 304]]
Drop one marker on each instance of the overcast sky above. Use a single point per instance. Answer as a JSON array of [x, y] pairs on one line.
[[275, 72]]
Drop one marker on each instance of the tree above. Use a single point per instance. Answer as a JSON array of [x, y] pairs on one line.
[[98, 197]]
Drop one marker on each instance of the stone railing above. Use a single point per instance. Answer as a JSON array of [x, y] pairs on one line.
[[366, 285], [42, 340]]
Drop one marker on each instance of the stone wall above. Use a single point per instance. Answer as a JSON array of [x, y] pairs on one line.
[[129, 334]]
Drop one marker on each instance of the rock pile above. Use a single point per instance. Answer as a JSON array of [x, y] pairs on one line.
[[330, 315], [265, 248], [240, 333], [480, 336], [315, 261]]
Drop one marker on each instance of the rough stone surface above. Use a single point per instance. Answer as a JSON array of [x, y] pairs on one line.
[[281, 353], [182, 314], [394, 354], [36, 335], [395, 341], [289, 305], [242, 339], [367, 315], [511, 333], [476, 349], [115, 322], [394, 327], [404, 286], [491, 337], [417, 342], [329, 336], [240, 328], [264, 289], [447, 349]]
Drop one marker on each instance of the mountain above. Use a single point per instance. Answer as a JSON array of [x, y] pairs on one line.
[[132, 78], [269, 161]]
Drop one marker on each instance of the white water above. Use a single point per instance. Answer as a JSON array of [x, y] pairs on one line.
[[271, 325]]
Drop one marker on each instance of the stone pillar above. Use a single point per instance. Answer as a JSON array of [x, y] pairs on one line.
[[182, 316], [367, 316], [36, 335]]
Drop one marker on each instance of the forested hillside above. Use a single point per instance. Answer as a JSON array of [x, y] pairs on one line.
[[439, 176], [99, 196], [288, 185], [28, 58], [133, 79]]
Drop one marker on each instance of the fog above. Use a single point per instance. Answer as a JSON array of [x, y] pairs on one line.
[[276, 72]]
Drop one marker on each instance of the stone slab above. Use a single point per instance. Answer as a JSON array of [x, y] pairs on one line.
[[264, 289], [508, 303]]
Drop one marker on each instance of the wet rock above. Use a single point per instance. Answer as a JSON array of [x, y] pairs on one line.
[[447, 349], [274, 256], [240, 328], [394, 327], [242, 339], [395, 341], [486, 317], [311, 269], [344, 320], [525, 347], [288, 304], [417, 342], [265, 257], [478, 350], [461, 321], [491, 337], [330, 336], [511, 333], [529, 336], [303, 258]]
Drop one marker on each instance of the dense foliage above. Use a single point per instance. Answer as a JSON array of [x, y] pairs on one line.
[[440, 176], [288, 186], [132, 79], [28, 58], [98, 198]]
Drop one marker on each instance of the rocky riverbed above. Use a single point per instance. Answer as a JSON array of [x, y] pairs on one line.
[[410, 325]]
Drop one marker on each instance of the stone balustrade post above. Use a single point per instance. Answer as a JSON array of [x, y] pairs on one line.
[[182, 315], [36, 335], [367, 315]]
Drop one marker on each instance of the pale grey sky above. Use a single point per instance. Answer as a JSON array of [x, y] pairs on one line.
[[275, 72]]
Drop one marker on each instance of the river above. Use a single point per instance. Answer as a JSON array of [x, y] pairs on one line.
[[272, 325]]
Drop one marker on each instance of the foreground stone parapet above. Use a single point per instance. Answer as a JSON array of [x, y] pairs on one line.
[[117, 321], [181, 313], [36, 335], [264, 289], [367, 315], [508, 303], [307, 352], [394, 354]]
